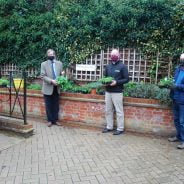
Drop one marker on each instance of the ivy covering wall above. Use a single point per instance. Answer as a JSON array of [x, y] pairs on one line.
[[77, 28]]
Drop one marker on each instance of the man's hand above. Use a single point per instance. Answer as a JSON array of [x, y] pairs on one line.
[[54, 82], [113, 83]]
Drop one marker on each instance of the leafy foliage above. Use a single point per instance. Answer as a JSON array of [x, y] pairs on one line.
[[166, 82], [164, 96], [94, 85], [140, 90], [81, 89], [34, 86], [106, 80], [150, 91], [4, 82], [62, 81], [76, 29], [131, 89]]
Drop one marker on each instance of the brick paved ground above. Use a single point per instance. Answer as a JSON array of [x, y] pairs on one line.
[[8, 139], [59, 155]]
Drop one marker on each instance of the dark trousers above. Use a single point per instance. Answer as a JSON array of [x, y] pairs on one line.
[[178, 110], [52, 106]]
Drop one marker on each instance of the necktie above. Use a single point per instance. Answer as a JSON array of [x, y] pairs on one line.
[[53, 72]]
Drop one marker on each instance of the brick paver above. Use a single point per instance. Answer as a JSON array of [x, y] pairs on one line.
[[66, 155], [8, 139]]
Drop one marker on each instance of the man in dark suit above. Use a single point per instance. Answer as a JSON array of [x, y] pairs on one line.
[[50, 70]]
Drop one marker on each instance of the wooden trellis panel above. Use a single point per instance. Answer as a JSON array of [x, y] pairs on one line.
[[137, 64], [6, 68]]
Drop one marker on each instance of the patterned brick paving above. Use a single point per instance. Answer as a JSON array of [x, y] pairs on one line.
[[59, 155]]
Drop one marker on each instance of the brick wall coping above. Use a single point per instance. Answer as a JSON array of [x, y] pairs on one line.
[[128, 101]]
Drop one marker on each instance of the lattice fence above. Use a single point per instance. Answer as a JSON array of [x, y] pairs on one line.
[[138, 65], [6, 68]]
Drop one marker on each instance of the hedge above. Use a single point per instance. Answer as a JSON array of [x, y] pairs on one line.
[[77, 28]]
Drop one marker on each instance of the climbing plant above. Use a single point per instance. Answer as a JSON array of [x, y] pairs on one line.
[[77, 28]]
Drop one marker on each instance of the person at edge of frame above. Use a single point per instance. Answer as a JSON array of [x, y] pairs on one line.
[[177, 95]]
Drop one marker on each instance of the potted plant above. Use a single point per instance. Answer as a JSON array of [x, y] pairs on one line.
[[93, 91], [62, 81], [93, 86], [106, 80], [166, 82]]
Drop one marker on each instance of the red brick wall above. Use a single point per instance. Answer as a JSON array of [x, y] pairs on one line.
[[148, 119], [91, 113], [141, 115]]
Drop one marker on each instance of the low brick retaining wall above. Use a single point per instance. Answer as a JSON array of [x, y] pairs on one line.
[[141, 115]]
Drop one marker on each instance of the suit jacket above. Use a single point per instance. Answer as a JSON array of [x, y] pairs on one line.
[[47, 76]]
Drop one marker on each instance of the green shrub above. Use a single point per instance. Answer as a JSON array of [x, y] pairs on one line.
[[150, 91], [142, 90], [4, 82], [76, 29], [34, 86], [68, 86], [128, 87], [164, 96], [81, 89]]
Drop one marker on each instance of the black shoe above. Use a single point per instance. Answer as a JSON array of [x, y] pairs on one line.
[[117, 132], [106, 130]]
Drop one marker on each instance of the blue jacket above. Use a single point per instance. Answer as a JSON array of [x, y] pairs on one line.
[[177, 94]]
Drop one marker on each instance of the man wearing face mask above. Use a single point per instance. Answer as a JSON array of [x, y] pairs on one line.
[[177, 94], [50, 70], [113, 94]]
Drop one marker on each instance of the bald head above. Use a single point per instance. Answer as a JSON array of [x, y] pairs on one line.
[[182, 56], [115, 55], [182, 60]]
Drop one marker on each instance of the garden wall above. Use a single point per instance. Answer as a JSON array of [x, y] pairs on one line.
[[141, 115]]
